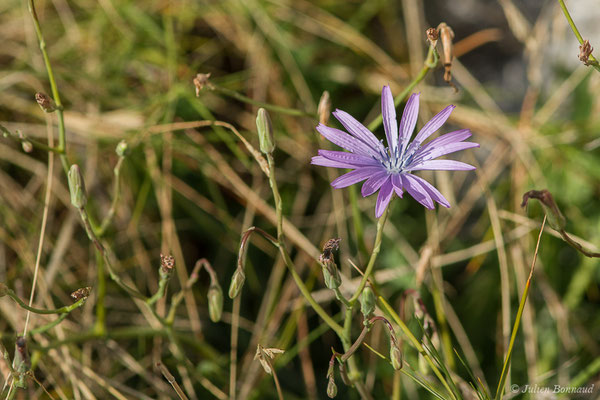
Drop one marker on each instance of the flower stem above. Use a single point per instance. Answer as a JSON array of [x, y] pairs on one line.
[[592, 60], [286, 257], [374, 254], [416, 344], [62, 144], [63, 310]]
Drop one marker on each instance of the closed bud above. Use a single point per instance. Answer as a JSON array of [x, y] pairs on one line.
[[237, 282], [45, 102], [331, 388], [215, 302], [122, 148], [395, 356], [265, 131], [331, 275], [367, 302], [76, 187]]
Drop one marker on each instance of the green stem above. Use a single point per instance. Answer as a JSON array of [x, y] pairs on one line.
[[238, 96], [62, 310], [286, 257], [592, 60], [430, 62], [62, 143], [374, 254], [100, 324], [34, 142], [116, 197], [100, 248], [415, 342]]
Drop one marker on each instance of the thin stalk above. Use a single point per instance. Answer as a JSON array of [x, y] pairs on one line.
[[415, 342], [376, 248], [100, 324], [592, 60], [286, 257], [63, 310], [513, 336], [116, 197], [62, 143], [34, 142]]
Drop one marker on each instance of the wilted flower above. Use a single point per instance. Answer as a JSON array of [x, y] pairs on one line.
[[390, 169], [265, 355]]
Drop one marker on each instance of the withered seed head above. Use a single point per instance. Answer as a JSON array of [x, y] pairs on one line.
[[200, 81], [45, 102], [585, 50], [432, 35], [329, 247], [81, 293], [167, 263]]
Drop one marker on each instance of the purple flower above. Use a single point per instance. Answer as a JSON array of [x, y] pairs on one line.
[[390, 169]]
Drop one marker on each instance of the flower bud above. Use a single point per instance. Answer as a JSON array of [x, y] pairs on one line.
[[21, 362], [215, 302], [122, 148], [331, 275], [265, 131], [45, 102], [367, 302], [237, 282], [331, 388], [395, 356], [76, 187]]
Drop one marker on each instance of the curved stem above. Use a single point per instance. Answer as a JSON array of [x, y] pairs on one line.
[[62, 310], [286, 257], [592, 60]]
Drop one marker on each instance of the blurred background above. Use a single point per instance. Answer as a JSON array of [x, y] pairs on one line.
[[124, 70]]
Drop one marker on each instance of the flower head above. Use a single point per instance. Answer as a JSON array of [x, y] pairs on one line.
[[389, 169]]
